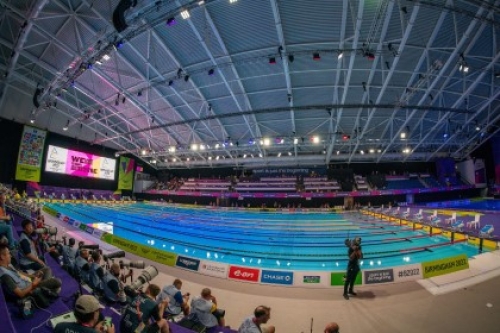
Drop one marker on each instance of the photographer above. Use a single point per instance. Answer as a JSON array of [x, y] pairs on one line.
[[353, 268], [28, 255], [96, 273], [20, 285], [88, 318], [177, 302], [69, 254], [113, 290], [204, 310], [82, 266], [141, 310]]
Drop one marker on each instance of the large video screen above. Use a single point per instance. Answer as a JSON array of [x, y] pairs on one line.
[[79, 164]]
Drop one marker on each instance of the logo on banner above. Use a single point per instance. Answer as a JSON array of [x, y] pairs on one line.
[[243, 273], [65, 219], [90, 230], [311, 279], [213, 269], [379, 276], [276, 277], [187, 263]]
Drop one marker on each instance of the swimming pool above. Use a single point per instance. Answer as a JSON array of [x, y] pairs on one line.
[[285, 241]]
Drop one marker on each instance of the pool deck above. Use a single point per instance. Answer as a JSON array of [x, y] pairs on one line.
[[465, 301]]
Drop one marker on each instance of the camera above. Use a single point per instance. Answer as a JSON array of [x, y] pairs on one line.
[[51, 231], [113, 255], [132, 264], [354, 242], [146, 276]]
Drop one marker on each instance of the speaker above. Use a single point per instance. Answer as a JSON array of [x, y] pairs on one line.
[[119, 14]]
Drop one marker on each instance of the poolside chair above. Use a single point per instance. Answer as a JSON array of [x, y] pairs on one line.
[[476, 223], [387, 210], [418, 216], [405, 214], [452, 219], [458, 225], [433, 215], [486, 231], [435, 221], [395, 211]]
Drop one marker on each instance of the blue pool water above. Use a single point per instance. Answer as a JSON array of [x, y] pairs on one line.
[[298, 241], [469, 204]]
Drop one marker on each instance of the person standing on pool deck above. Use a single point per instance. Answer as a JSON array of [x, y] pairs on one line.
[[353, 269]]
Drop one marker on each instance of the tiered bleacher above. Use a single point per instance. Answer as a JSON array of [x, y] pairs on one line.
[[312, 184], [268, 184], [194, 184]]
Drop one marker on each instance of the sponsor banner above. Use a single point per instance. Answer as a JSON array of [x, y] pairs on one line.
[[445, 266], [276, 277], [29, 159], [378, 276], [159, 256], [77, 224], [311, 279], [76, 163], [337, 278], [407, 273], [244, 273], [213, 269], [126, 173], [50, 211], [65, 219], [89, 230], [98, 233], [187, 263]]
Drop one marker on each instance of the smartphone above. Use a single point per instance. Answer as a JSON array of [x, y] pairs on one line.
[[108, 321]]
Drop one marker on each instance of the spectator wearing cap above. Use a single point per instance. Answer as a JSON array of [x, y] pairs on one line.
[[88, 318]]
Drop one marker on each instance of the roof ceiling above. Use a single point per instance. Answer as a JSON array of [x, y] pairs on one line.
[[257, 82]]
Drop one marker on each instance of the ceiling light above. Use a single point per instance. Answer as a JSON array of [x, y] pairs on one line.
[[209, 158], [244, 155], [217, 157], [279, 154], [362, 152], [32, 120], [194, 147], [185, 14], [372, 151], [106, 57], [174, 160], [202, 147], [379, 151], [65, 128], [340, 56], [217, 146], [232, 1], [260, 155], [267, 142], [201, 3], [315, 139], [338, 152], [171, 149], [295, 141], [289, 153], [143, 152], [403, 135]]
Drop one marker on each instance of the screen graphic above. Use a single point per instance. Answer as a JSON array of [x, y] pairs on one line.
[[79, 164]]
